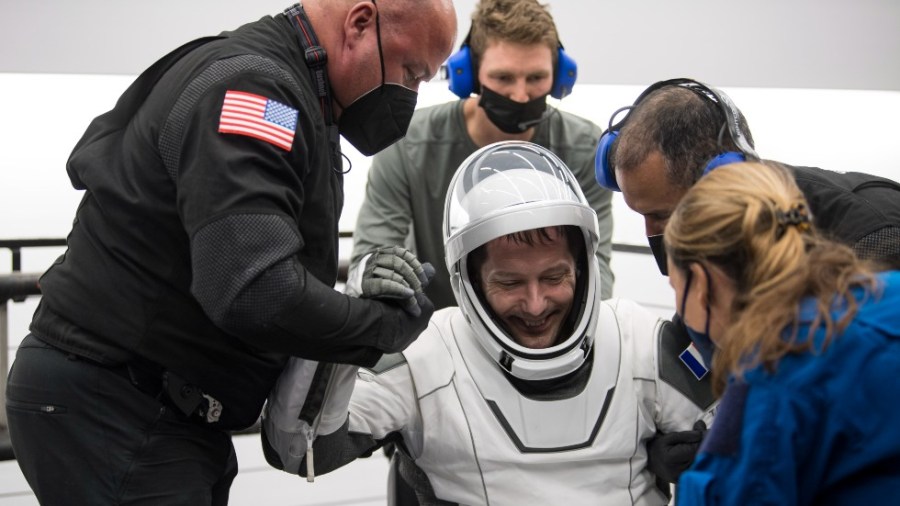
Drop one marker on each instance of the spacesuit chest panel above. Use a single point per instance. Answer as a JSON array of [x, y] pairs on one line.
[[534, 425], [484, 443]]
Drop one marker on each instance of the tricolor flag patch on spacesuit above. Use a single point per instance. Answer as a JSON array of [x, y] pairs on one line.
[[694, 361], [260, 117]]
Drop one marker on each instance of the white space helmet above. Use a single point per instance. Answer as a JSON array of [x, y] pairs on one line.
[[509, 187]]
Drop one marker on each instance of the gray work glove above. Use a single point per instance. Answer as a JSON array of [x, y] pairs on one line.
[[391, 273], [669, 455]]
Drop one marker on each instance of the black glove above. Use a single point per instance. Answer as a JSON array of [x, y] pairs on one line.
[[391, 273], [669, 455], [399, 327], [328, 326]]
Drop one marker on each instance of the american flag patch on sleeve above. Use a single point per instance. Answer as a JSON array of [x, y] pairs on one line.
[[257, 116]]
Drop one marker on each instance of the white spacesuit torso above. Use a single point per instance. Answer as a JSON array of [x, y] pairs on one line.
[[481, 418], [480, 441]]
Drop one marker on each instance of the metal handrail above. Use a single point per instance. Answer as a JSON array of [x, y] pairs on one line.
[[16, 286], [15, 246]]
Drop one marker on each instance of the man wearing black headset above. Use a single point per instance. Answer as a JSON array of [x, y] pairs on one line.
[[679, 130], [508, 65]]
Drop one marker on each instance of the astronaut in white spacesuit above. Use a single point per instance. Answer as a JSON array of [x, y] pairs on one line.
[[533, 390]]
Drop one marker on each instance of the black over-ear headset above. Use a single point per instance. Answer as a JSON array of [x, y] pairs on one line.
[[463, 75], [603, 166]]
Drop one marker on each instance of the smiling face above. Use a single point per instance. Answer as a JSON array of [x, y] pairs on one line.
[[530, 287]]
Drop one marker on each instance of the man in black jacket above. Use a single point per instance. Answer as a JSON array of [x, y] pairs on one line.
[[680, 129], [204, 252]]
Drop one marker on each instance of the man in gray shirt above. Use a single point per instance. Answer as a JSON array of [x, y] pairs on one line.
[[510, 61]]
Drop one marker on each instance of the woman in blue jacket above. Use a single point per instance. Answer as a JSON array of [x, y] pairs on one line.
[[804, 340]]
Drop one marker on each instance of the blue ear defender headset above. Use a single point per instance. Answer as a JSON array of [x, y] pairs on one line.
[[604, 170], [463, 76]]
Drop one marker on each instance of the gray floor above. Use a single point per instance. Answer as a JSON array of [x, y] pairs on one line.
[[359, 484]]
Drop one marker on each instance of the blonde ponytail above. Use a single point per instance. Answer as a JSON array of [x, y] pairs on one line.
[[752, 221]]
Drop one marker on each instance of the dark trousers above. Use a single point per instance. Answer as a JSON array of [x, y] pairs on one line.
[[84, 434]]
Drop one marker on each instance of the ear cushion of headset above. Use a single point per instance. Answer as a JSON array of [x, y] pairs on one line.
[[565, 76], [460, 73], [724, 159], [603, 169]]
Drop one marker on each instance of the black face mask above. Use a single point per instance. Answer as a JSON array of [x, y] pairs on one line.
[[510, 116], [381, 117], [659, 253]]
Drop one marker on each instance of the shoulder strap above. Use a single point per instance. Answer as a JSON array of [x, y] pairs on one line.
[[316, 59]]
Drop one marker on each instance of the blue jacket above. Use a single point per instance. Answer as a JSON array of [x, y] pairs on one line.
[[824, 428]]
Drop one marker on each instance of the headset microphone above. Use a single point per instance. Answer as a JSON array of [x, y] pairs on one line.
[[525, 125]]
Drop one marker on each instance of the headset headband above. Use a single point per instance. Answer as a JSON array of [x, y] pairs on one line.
[[604, 170], [730, 111], [463, 76]]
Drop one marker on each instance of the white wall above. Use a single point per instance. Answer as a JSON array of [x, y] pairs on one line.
[[831, 44], [846, 130], [796, 68]]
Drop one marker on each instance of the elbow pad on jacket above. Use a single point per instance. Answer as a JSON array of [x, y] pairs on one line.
[[243, 270]]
